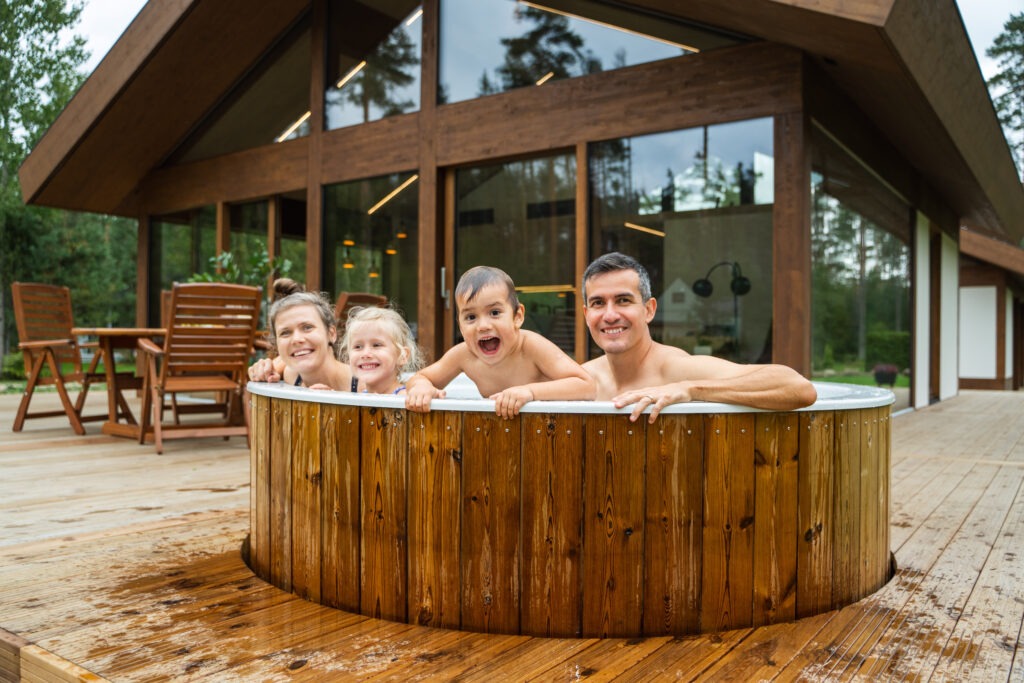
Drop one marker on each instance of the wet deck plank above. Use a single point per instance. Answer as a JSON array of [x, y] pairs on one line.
[[119, 564]]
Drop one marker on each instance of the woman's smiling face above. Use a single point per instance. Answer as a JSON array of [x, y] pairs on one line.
[[303, 341]]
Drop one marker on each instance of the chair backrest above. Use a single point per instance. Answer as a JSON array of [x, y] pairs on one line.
[[43, 313], [210, 328], [349, 300]]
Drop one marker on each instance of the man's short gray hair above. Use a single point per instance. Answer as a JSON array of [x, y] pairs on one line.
[[612, 263]]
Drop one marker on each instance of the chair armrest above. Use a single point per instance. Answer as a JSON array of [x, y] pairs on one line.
[[146, 344], [46, 343]]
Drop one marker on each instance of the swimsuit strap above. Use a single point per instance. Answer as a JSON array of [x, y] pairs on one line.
[[395, 392], [355, 385], [298, 381]]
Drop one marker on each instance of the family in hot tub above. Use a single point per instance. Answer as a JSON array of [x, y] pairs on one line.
[[510, 365]]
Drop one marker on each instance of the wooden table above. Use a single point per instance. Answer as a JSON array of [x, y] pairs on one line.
[[120, 420]]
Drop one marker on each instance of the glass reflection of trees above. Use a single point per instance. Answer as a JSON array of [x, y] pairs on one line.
[[520, 216], [860, 237], [490, 46], [373, 61], [681, 202]]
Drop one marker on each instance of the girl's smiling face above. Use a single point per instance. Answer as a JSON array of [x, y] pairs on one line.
[[303, 341], [374, 356]]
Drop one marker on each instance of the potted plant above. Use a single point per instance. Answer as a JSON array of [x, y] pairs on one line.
[[885, 373]]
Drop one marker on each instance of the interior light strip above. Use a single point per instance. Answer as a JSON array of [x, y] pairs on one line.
[[534, 5], [351, 74], [634, 226], [292, 128], [391, 195], [545, 78], [416, 15]]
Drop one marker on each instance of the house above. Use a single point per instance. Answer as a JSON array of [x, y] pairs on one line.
[[831, 173]]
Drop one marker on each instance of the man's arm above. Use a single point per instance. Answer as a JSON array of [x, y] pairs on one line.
[[705, 378]]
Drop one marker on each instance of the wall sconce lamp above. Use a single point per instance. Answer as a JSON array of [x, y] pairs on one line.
[[740, 284]]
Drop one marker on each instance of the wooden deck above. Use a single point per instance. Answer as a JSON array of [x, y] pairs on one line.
[[119, 564]]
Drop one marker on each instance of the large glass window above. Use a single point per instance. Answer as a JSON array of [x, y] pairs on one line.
[[370, 229], [373, 60], [270, 104], [490, 46], [695, 207], [248, 232], [293, 232], [860, 265], [180, 245], [520, 216]]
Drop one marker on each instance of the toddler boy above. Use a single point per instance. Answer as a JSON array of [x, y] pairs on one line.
[[509, 365]]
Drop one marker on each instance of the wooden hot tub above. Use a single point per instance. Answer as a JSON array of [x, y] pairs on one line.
[[570, 520]]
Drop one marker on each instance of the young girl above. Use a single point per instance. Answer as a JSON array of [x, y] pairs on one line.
[[378, 346]]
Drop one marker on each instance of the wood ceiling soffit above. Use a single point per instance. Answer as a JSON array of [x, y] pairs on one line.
[[830, 28], [181, 82], [993, 251], [241, 176], [107, 80]]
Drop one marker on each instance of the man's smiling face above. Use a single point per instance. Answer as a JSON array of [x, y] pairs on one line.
[[616, 315]]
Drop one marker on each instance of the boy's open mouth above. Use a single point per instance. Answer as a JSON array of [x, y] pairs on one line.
[[489, 345]]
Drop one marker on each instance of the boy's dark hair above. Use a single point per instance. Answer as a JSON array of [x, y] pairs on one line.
[[614, 262], [478, 277]]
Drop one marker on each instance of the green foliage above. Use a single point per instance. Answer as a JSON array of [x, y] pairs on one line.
[[255, 270], [888, 347], [13, 367], [39, 71], [1007, 86]]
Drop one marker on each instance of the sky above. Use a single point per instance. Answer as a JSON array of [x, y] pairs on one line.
[[103, 21]]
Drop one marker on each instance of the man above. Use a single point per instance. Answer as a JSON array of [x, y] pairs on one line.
[[636, 370]]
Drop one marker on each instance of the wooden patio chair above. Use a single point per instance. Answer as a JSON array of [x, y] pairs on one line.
[[210, 330], [44, 320], [348, 300]]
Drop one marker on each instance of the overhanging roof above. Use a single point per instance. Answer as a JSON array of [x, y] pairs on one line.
[[907, 63]]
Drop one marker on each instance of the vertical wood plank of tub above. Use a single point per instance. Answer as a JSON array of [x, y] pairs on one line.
[[727, 592], [339, 559], [552, 509], [880, 553], [306, 489], [383, 539], [885, 472], [814, 559], [846, 539], [776, 447], [281, 494], [613, 538], [259, 496], [868, 501], [675, 520], [435, 501], [490, 523]]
